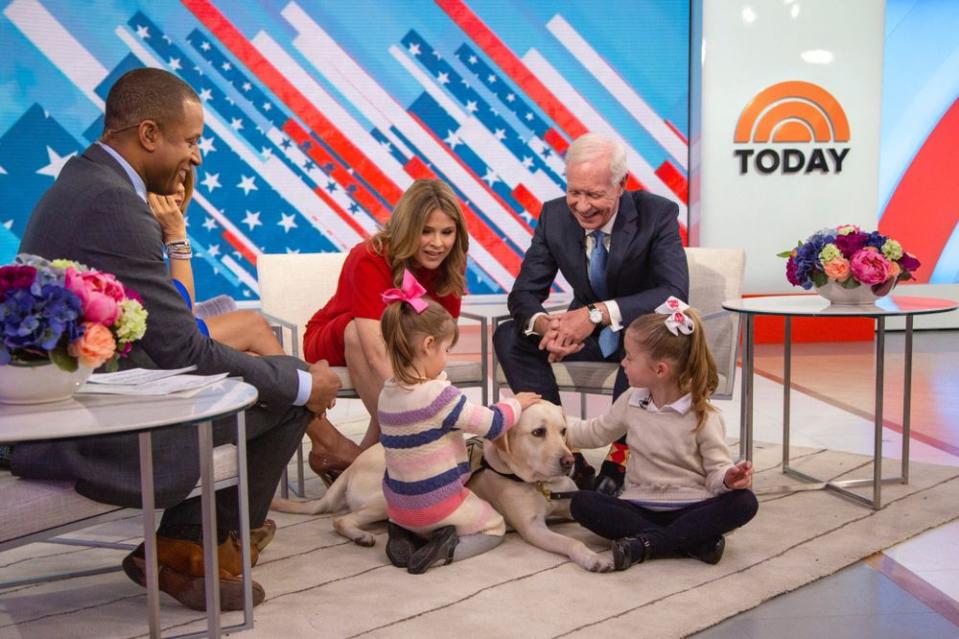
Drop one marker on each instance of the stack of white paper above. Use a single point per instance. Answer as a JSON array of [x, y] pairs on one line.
[[153, 382]]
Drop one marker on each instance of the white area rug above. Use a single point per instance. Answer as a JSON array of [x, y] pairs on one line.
[[319, 585]]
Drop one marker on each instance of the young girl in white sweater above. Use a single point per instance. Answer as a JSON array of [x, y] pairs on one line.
[[682, 491]]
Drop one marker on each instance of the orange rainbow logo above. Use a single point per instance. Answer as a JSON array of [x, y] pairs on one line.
[[793, 111]]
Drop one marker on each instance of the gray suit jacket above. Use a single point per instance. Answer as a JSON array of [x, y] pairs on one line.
[[646, 261], [93, 215]]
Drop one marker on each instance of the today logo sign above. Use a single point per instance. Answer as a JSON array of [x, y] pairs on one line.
[[794, 113]]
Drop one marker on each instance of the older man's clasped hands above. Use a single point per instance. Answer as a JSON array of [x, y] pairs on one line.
[[564, 333]]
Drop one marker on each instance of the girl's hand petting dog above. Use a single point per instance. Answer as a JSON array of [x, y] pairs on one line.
[[527, 399]]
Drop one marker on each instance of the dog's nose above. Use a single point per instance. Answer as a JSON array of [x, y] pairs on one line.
[[567, 463]]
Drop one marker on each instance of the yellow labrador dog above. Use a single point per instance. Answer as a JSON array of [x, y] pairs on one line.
[[525, 480]]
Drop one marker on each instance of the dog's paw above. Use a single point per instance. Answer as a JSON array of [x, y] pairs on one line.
[[591, 561], [366, 539]]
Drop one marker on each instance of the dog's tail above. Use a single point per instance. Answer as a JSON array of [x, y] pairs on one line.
[[331, 502]]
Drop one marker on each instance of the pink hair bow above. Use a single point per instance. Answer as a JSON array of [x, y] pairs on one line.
[[411, 292], [676, 320]]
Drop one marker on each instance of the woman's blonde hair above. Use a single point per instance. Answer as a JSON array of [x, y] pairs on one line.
[[399, 239], [695, 367], [403, 327]]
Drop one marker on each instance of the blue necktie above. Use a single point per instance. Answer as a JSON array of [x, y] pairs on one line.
[[608, 340]]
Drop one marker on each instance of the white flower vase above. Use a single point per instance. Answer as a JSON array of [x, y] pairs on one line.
[[862, 295], [39, 383]]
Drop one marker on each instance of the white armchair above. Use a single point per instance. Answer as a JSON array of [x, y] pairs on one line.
[[715, 275], [294, 286]]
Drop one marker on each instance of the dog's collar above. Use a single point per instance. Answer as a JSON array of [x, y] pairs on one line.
[[510, 476], [553, 495], [541, 486]]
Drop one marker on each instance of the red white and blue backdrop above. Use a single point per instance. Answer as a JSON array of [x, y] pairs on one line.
[[320, 114]]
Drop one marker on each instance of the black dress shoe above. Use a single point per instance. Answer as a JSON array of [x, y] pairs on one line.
[[6, 453], [710, 552], [606, 485], [401, 544], [630, 550], [438, 549], [583, 474]]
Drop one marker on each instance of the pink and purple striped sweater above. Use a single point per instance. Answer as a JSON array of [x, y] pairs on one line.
[[422, 430]]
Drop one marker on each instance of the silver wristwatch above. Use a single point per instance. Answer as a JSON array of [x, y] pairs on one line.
[[595, 315]]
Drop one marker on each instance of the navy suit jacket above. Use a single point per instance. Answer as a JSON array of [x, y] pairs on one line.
[[93, 215], [646, 261]]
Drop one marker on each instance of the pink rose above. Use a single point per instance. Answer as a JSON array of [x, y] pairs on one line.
[[100, 294], [94, 347], [837, 269], [869, 266]]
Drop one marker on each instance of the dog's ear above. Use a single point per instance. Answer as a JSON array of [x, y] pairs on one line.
[[502, 442]]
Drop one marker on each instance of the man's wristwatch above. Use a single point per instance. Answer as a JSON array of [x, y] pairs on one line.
[[595, 315]]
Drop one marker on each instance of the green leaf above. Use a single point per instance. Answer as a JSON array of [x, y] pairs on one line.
[[850, 283], [63, 360], [784, 254], [819, 278], [112, 365]]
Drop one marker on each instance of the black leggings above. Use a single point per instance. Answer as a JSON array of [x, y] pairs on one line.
[[670, 531]]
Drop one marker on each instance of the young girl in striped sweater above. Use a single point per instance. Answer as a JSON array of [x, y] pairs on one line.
[[434, 518]]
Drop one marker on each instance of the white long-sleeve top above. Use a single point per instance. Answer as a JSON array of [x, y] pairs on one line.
[[670, 466]]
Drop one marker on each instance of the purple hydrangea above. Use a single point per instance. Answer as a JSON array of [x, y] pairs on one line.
[[31, 322]]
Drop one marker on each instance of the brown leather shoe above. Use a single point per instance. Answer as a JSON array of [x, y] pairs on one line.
[[181, 572], [261, 537]]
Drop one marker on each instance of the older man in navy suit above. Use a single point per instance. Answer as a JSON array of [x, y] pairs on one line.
[[623, 256]]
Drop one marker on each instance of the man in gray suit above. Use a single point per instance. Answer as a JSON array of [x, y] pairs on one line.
[[623, 256], [96, 213]]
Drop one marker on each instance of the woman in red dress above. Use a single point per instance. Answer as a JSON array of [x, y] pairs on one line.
[[427, 235]]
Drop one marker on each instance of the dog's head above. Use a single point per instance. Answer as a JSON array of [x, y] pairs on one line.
[[535, 448]]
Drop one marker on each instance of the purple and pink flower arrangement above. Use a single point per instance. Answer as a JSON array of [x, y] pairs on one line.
[[63, 312], [850, 257]]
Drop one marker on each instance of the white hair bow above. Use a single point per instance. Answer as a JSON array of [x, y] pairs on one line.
[[676, 320]]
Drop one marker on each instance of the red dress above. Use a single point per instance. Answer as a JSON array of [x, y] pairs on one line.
[[364, 277]]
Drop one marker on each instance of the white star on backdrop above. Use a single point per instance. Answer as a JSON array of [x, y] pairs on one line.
[[209, 224], [287, 222], [226, 66], [213, 250], [3, 171], [175, 64], [490, 178], [247, 86], [56, 163], [414, 49], [247, 183], [500, 134], [473, 59], [511, 97], [205, 46], [206, 94], [211, 181], [443, 77], [8, 224], [452, 139], [252, 219], [527, 162], [267, 106], [143, 32], [237, 124], [206, 145], [471, 106]]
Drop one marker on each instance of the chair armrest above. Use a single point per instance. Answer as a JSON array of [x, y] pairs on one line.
[[278, 322], [473, 316]]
